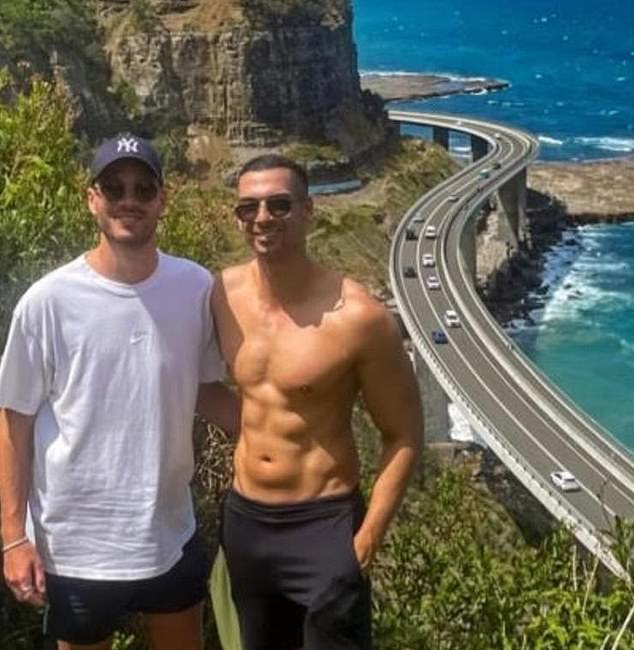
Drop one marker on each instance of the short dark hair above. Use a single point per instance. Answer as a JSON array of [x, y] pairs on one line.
[[275, 161]]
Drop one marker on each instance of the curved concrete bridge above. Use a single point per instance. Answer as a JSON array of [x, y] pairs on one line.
[[530, 425]]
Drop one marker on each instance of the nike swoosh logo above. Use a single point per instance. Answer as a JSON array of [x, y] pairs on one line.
[[137, 337]]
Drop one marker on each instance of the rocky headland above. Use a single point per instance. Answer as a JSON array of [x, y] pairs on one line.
[[398, 86], [561, 197], [600, 190]]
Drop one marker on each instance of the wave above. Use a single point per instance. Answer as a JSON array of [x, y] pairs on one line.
[[626, 346], [448, 76], [554, 142], [622, 145], [572, 277], [391, 73]]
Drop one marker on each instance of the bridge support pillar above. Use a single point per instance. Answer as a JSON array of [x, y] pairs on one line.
[[479, 148], [435, 403], [468, 249], [441, 136], [512, 208]]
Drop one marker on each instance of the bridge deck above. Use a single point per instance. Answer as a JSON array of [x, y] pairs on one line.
[[532, 427]]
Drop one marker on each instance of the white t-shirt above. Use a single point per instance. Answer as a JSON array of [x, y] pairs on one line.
[[111, 372]]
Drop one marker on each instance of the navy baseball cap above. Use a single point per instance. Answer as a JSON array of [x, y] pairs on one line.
[[122, 146]]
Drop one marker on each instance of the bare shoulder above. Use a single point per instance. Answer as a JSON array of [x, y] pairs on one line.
[[233, 277], [366, 316]]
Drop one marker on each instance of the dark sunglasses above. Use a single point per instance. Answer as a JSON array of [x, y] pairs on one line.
[[114, 191], [277, 206]]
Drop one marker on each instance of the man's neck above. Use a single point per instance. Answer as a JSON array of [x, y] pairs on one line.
[[123, 264], [283, 283]]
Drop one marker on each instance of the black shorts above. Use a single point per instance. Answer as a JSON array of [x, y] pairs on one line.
[[294, 576], [89, 611]]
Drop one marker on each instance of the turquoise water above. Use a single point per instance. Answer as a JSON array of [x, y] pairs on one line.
[[571, 67], [583, 338]]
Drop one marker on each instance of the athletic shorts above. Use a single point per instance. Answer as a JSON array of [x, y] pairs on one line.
[[89, 611], [293, 575]]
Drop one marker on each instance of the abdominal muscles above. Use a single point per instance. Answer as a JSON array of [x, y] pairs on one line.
[[285, 455]]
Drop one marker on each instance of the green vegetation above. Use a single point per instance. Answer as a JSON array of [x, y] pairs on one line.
[[40, 191], [304, 152], [28, 27], [271, 12], [143, 16], [128, 99], [455, 574]]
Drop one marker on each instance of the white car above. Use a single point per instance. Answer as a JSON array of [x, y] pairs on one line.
[[565, 481], [451, 318], [433, 282], [428, 259], [452, 198], [430, 232]]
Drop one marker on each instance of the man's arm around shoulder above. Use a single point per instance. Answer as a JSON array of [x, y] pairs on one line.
[[23, 569], [391, 394]]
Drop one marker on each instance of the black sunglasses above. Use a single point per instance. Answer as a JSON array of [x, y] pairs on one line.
[[113, 191], [277, 206]]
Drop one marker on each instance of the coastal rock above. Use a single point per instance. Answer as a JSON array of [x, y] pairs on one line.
[[253, 78], [592, 192], [396, 86], [85, 81], [507, 271]]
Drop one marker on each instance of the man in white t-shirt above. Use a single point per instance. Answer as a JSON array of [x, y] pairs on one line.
[[106, 360]]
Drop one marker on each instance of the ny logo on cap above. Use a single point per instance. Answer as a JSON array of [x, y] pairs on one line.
[[130, 145]]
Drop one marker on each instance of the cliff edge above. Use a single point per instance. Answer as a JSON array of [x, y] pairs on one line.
[[253, 72]]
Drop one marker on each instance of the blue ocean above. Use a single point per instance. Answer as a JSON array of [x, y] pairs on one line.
[[570, 65]]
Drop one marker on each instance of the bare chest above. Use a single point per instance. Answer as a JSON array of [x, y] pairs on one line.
[[291, 357]]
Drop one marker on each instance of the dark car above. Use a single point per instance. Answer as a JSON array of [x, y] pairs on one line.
[[410, 233], [409, 272], [438, 336]]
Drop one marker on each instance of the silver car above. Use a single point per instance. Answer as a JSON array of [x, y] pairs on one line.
[[451, 318], [565, 481], [433, 282]]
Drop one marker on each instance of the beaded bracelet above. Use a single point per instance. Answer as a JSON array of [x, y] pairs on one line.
[[15, 544]]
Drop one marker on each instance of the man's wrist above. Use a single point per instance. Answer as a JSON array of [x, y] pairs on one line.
[[15, 543]]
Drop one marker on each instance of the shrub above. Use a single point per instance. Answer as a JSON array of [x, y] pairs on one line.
[[42, 218], [27, 26]]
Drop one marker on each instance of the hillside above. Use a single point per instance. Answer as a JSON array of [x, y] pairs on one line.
[[207, 76]]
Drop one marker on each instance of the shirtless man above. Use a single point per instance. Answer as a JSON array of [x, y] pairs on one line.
[[302, 342]]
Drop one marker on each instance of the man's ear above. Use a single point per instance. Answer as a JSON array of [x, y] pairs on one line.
[[163, 202], [91, 198]]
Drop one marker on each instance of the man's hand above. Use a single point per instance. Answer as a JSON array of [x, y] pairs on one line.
[[24, 574], [365, 549]]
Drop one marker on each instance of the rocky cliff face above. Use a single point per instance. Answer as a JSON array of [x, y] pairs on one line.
[[83, 74], [255, 78]]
